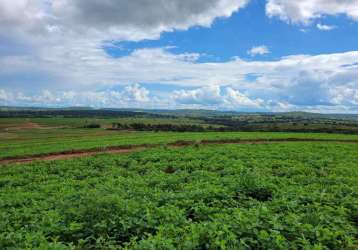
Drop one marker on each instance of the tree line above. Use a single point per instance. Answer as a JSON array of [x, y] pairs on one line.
[[161, 127], [232, 128]]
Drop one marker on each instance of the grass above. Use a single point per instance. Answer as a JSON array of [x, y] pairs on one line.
[[269, 196]]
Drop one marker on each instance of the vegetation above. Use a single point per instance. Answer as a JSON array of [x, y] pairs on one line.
[[72, 113], [285, 123], [161, 127], [42, 141], [41, 131], [189, 120], [277, 196], [92, 125], [296, 195]]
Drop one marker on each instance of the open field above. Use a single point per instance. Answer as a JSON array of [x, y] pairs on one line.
[[26, 136], [78, 186], [178, 124], [41, 141], [265, 196], [68, 122], [124, 149]]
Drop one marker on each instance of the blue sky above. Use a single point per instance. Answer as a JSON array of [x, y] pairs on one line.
[[244, 55], [234, 36]]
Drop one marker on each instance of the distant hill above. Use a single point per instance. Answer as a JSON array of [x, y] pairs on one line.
[[178, 112]]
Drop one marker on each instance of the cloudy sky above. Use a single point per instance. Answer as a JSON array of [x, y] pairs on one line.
[[244, 55]]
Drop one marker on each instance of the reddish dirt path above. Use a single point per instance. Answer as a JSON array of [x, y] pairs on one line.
[[67, 155], [129, 149]]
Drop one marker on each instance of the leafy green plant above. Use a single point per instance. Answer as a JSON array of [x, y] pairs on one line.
[[275, 196]]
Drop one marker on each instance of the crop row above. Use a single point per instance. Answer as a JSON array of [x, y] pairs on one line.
[[49, 141], [278, 196]]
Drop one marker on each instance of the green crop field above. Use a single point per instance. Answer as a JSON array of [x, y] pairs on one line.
[[248, 190], [178, 124], [32, 135], [40, 141], [267, 196]]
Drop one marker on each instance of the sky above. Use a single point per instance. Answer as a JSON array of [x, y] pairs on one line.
[[241, 55]]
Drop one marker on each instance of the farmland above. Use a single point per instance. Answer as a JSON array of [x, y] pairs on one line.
[[64, 140], [178, 125], [180, 190], [279, 196], [47, 133]]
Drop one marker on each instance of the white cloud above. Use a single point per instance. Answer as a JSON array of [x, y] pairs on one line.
[[236, 100], [131, 96], [60, 42], [48, 45], [209, 95], [142, 15], [304, 11], [259, 50], [4, 97], [215, 97], [109, 19], [135, 93], [300, 80], [344, 95], [325, 27]]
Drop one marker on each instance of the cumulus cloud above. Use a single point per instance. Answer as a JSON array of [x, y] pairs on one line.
[[131, 96], [300, 80], [110, 19], [212, 97], [259, 50], [237, 100], [307, 89], [325, 27], [216, 97], [3, 96], [304, 11], [345, 95], [142, 15], [51, 52], [135, 93], [61, 41], [203, 96]]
